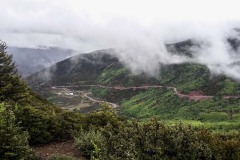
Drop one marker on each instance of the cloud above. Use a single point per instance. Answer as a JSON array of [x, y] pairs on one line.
[[139, 30]]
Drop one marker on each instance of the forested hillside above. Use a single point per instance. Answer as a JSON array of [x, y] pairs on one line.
[[26, 117]]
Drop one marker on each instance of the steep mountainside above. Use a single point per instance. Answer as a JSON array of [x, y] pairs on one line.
[[83, 68]]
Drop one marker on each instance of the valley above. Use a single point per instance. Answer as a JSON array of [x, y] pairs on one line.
[[69, 92], [94, 100], [88, 101], [85, 98]]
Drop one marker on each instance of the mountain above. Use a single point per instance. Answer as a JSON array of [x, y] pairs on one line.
[[83, 68], [186, 92], [31, 60]]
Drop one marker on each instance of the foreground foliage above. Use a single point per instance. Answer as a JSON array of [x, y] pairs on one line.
[[13, 141], [155, 140]]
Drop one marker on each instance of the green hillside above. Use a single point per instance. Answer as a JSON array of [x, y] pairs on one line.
[[216, 113], [33, 113], [27, 118], [104, 69]]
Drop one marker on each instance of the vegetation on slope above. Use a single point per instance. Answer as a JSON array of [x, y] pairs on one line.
[[216, 113], [13, 141], [25, 116], [105, 69], [80, 69], [118, 75], [101, 134], [152, 139]]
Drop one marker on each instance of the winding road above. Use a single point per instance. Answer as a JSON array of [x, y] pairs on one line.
[[176, 91], [192, 96], [86, 95]]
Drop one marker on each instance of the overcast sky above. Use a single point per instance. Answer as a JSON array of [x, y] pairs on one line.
[[139, 28], [93, 24]]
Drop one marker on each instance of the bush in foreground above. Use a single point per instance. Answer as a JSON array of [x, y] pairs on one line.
[[155, 140]]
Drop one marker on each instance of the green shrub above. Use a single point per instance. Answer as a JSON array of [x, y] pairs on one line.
[[155, 140], [88, 141], [13, 140]]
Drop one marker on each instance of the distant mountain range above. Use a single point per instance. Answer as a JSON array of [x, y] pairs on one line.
[[30, 60]]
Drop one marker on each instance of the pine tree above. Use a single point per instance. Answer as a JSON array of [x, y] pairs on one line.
[[13, 141], [11, 86], [6, 64]]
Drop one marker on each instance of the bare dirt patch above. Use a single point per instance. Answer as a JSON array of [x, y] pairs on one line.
[[43, 152]]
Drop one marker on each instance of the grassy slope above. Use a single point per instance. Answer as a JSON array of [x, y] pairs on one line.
[[215, 113], [187, 77], [116, 74]]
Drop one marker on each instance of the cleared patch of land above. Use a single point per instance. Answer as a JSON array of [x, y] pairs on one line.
[[43, 152]]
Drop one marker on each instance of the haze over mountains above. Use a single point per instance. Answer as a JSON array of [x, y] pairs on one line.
[[181, 52], [140, 37], [31, 60]]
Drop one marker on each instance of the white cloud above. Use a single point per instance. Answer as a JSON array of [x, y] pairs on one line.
[[138, 27]]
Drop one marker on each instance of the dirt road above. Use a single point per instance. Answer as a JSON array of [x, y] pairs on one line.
[[176, 91], [97, 101]]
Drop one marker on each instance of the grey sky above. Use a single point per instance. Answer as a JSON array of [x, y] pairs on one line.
[[138, 27], [94, 24]]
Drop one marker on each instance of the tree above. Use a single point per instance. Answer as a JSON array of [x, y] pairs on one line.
[[6, 64], [13, 141], [11, 87]]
